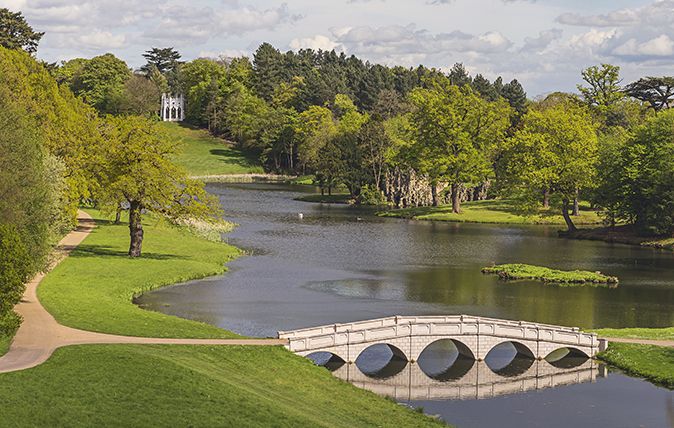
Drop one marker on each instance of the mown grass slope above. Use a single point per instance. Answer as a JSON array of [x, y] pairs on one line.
[[203, 154], [195, 386]]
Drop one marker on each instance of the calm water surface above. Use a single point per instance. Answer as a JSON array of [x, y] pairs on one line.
[[332, 267], [342, 263]]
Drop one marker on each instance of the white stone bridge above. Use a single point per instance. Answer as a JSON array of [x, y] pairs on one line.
[[408, 336]]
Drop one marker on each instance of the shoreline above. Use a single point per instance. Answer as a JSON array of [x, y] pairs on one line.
[[244, 178], [620, 235]]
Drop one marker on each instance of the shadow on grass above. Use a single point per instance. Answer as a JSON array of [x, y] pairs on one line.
[[232, 156], [88, 250]]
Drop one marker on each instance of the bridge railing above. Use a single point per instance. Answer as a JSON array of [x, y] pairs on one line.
[[397, 319]]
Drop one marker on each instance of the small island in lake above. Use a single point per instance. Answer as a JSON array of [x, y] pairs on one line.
[[540, 273]]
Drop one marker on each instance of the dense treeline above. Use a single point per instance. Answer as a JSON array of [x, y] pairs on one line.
[[413, 136], [59, 149]]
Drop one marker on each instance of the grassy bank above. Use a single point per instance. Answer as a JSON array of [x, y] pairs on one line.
[[119, 385], [666, 333], [93, 288], [655, 363], [624, 234], [547, 275], [492, 211], [203, 154]]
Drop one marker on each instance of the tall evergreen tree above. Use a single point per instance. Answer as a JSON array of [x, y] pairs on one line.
[[458, 75], [164, 59], [15, 33], [267, 70]]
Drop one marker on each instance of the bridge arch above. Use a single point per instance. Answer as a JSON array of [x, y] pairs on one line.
[[327, 359], [381, 360], [446, 359], [566, 357], [518, 358]]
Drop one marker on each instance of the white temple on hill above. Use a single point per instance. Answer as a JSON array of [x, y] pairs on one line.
[[172, 108]]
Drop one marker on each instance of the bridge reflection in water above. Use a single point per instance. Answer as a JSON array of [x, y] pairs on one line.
[[467, 378]]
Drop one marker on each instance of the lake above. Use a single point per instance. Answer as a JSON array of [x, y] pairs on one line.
[[341, 263]]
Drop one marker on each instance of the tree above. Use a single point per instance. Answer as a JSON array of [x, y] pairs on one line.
[[140, 97], [454, 131], [517, 98], [268, 70], [15, 268], [27, 196], [658, 92], [458, 75], [555, 150], [483, 87], [645, 174], [60, 124], [15, 33], [163, 59], [375, 145], [315, 127], [99, 81], [139, 172], [603, 90]]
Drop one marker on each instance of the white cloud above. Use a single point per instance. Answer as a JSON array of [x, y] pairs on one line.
[[317, 42], [542, 41], [661, 46], [102, 40]]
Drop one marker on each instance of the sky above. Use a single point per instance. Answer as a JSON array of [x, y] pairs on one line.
[[543, 43]]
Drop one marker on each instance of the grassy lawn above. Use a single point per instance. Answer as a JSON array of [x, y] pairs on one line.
[[491, 211], [666, 333], [655, 363], [92, 289], [205, 386], [204, 154], [555, 276]]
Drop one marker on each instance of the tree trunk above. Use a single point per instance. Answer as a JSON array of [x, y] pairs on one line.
[[456, 198], [565, 213], [118, 215], [135, 230], [546, 198], [434, 194], [576, 207]]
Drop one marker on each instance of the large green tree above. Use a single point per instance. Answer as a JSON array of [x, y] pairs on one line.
[[455, 131], [16, 33], [603, 89], [99, 81], [555, 150], [139, 173], [642, 187]]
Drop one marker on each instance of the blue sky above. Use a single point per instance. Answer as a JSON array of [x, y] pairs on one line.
[[542, 43]]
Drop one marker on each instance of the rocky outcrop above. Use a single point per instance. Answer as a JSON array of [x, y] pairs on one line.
[[404, 187]]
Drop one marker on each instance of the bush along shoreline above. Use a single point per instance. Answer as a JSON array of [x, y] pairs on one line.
[[550, 276]]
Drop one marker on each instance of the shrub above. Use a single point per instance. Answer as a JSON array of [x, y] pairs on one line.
[[15, 266]]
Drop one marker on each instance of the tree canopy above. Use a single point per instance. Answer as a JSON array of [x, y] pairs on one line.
[[16, 33]]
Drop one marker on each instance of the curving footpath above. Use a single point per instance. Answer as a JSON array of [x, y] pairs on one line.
[[40, 334]]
